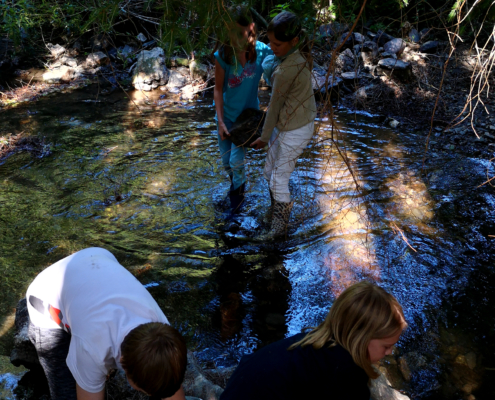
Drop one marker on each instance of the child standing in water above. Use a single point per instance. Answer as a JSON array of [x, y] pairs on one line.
[[289, 123], [238, 70], [333, 360]]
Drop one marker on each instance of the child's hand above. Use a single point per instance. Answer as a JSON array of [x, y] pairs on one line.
[[223, 131], [258, 144]]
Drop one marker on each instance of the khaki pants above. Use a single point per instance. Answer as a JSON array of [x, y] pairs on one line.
[[284, 149]]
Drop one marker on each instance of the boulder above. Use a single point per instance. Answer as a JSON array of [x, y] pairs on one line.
[[176, 80], [97, 59], [381, 38], [414, 36], [397, 68], [198, 70], [353, 39], [23, 352], [195, 382], [395, 46], [150, 71], [430, 47], [55, 49], [59, 75], [380, 389]]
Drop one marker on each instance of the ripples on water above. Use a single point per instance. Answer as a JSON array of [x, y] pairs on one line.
[[147, 186]]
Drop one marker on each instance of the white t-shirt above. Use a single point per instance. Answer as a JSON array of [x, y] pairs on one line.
[[91, 295]]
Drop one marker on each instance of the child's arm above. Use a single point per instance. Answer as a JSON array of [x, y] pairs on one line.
[[282, 80], [218, 96]]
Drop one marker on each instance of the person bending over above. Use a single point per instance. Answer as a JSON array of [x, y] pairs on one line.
[[333, 360], [89, 315]]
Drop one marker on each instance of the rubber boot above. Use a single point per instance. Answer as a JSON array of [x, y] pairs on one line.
[[237, 199], [280, 221], [267, 218]]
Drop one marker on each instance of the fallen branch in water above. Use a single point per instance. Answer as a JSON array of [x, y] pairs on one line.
[[403, 237]]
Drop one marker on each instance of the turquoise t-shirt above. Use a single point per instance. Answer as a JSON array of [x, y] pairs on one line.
[[240, 87]]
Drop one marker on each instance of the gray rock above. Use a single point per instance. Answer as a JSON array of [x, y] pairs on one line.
[[150, 71], [395, 46], [71, 62], [333, 29], [381, 38], [387, 54], [176, 80], [346, 61], [350, 76], [55, 50], [195, 382], [126, 50], [397, 68], [424, 33], [429, 47], [380, 389], [60, 74], [198, 70], [414, 36], [141, 38], [352, 40], [23, 352], [97, 59]]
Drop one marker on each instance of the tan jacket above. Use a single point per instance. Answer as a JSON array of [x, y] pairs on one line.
[[292, 104]]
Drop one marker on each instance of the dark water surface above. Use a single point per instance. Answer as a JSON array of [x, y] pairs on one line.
[[147, 186]]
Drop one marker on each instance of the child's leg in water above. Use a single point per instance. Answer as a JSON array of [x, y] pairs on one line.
[[282, 156], [232, 159]]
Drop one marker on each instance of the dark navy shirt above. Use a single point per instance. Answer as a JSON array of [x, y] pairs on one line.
[[275, 373]]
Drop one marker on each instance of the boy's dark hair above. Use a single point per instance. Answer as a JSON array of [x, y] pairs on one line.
[[154, 357], [242, 16], [285, 26]]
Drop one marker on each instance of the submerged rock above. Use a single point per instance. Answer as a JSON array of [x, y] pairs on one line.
[[247, 128], [150, 71]]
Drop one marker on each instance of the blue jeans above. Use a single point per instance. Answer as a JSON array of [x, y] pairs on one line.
[[232, 158]]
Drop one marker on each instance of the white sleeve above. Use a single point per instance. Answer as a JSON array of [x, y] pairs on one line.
[[89, 374]]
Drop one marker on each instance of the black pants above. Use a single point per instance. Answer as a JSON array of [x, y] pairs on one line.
[[52, 346]]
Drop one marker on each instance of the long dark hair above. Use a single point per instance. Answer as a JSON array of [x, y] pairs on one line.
[[242, 16], [287, 26]]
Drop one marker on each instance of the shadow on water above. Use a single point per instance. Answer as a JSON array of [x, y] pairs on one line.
[[147, 186]]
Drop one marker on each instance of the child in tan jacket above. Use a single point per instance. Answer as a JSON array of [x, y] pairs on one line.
[[289, 123]]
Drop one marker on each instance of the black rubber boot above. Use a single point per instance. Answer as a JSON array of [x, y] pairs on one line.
[[237, 199]]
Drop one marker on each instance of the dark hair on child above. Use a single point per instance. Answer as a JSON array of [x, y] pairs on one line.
[[286, 26], [242, 16], [154, 357]]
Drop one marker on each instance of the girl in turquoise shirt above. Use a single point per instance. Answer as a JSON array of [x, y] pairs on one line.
[[237, 74]]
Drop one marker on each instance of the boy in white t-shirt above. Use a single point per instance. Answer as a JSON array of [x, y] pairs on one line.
[[89, 315]]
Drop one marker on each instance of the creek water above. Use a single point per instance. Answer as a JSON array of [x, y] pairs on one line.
[[140, 176]]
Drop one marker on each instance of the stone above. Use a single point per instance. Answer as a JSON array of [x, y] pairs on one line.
[[429, 47], [471, 360], [55, 49], [141, 38], [198, 70], [150, 71], [126, 50], [414, 36], [176, 80], [381, 38], [397, 68], [424, 33], [333, 29], [247, 127], [60, 74], [350, 76], [188, 92], [346, 61], [393, 123], [23, 352], [387, 54], [97, 59], [71, 62], [322, 86], [353, 39], [195, 382], [395, 46], [380, 389]]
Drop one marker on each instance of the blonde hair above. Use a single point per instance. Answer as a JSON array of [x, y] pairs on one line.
[[363, 312]]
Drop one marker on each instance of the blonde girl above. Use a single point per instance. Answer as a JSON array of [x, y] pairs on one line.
[[336, 358]]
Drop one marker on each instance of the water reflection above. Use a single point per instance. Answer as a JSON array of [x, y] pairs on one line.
[[141, 178]]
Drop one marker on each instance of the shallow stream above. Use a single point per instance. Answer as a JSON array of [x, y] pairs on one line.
[[146, 184]]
